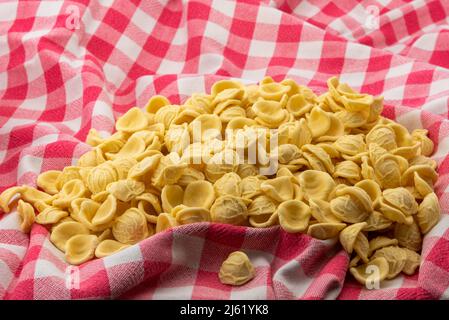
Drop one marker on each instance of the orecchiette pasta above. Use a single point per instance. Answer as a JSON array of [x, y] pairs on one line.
[[80, 248], [330, 166], [26, 213], [396, 258], [107, 247], [66, 230], [236, 269]]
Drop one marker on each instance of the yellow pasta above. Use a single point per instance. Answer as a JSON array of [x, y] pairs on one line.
[[64, 231], [132, 121], [80, 248], [130, 227], [8, 195], [293, 215], [237, 269], [26, 213], [258, 155], [107, 247]]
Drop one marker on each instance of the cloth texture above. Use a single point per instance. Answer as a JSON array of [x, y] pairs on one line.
[[69, 66]]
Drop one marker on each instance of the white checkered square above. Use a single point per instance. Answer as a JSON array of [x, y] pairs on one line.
[[210, 63], [410, 119], [263, 49], [269, 16], [142, 20], [399, 71], [8, 11], [186, 250], [216, 33], [189, 85], [128, 47], [114, 74], [49, 8], [225, 7], [357, 51], [130, 254], [310, 49], [29, 163]]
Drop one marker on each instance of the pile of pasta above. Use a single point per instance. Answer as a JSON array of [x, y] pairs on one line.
[[344, 171]]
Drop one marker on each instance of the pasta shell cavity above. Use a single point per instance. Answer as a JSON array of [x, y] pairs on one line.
[[171, 196], [107, 247], [47, 181], [164, 222], [298, 105], [318, 121], [192, 215], [155, 103], [66, 230], [279, 189], [133, 120], [316, 184], [72, 190], [7, 196], [106, 212], [205, 127], [199, 194], [269, 113], [80, 248], [167, 172], [325, 230], [293, 215]]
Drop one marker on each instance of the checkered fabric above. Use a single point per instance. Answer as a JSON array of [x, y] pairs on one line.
[[66, 67]]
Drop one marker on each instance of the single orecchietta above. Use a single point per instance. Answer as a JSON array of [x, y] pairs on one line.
[[237, 269]]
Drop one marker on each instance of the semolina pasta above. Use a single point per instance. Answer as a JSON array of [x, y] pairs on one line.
[[275, 153], [236, 269]]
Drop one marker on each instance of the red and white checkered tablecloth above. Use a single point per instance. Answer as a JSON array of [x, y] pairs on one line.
[[66, 67]]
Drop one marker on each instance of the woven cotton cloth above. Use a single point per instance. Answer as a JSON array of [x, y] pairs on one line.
[[66, 67]]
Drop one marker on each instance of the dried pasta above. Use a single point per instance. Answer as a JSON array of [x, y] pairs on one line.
[[343, 171]]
